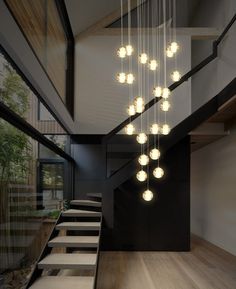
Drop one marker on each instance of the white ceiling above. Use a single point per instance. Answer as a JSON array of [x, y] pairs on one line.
[[84, 13]]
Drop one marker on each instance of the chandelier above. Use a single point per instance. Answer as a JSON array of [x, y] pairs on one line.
[[156, 47]]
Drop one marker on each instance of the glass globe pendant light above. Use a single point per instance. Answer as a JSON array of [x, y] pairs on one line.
[[121, 77], [143, 58], [157, 91], [175, 75], [139, 104], [129, 50], [141, 176], [121, 52], [169, 52], [131, 110], [155, 129], [158, 173], [165, 105], [153, 64], [129, 129], [130, 78], [141, 138], [143, 160], [174, 47], [155, 154], [165, 129], [165, 92], [148, 195]]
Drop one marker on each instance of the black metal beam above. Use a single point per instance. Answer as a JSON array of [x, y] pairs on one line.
[[62, 11], [173, 86], [18, 122], [191, 122]]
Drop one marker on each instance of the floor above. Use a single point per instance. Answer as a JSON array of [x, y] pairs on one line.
[[205, 267]]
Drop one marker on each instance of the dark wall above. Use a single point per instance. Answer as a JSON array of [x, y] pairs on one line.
[[129, 222], [90, 169], [164, 223]]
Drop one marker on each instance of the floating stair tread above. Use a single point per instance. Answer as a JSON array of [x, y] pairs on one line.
[[74, 241], [86, 203], [80, 213], [96, 195], [63, 282], [79, 226], [68, 261]]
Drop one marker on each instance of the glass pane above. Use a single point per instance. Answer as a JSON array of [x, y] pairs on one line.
[[52, 185], [18, 97], [42, 26], [31, 196]]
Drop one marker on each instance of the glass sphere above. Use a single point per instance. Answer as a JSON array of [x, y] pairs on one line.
[[131, 110], [121, 52], [153, 64], [148, 195], [155, 154], [143, 160], [129, 129], [165, 129], [169, 52], [139, 104], [175, 75], [143, 58], [129, 50], [157, 91], [121, 77], [154, 128], [158, 173], [130, 78], [174, 46], [165, 105], [165, 92], [141, 138], [141, 176]]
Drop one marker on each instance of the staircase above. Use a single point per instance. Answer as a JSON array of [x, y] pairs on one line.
[[70, 258]]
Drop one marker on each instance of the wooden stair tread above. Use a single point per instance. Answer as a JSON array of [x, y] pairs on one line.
[[79, 226], [68, 261], [96, 195], [80, 213], [86, 203], [63, 282], [74, 241]]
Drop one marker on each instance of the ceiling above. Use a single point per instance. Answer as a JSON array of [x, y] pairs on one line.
[[83, 14]]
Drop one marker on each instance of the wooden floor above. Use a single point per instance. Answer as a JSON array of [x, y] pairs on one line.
[[205, 267]]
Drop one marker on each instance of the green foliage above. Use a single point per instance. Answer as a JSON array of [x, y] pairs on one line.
[[14, 92], [15, 147]]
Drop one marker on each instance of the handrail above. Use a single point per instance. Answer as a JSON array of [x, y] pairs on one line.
[[173, 86]]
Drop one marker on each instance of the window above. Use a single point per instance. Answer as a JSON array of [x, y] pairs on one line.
[[35, 182], [19, 97], [41, 23]]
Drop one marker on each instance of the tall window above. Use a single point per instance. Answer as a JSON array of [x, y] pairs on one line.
[[35, 182]]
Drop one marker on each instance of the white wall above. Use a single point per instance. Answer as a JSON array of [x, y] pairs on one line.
[[101, 101], [213, 192], [212, 79], [213, 168]]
